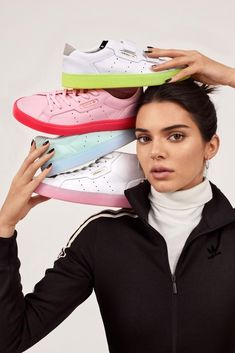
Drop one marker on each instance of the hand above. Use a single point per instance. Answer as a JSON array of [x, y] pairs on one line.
[[19, 199], [198, 66]]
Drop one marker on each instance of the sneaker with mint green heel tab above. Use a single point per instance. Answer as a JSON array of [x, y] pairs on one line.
[[73, 151]]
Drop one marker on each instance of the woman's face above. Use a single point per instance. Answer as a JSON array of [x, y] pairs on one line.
[[167, 137]]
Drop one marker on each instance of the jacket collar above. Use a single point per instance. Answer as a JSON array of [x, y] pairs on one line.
[[216, 213]]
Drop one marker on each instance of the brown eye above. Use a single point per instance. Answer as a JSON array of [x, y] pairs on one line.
[[143, 139], [177, 137]]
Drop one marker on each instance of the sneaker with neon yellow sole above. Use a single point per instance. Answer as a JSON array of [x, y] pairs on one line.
[[112, 64]]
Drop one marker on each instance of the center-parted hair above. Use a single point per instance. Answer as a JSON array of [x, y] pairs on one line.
[[191, 96]]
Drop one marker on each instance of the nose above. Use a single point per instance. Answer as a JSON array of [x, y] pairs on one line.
[[158, 151]]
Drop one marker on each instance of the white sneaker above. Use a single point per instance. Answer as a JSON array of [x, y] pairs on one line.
[[100, 183], [113, 64]]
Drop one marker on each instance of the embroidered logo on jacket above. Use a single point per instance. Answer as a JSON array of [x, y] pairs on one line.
[[213, 251]]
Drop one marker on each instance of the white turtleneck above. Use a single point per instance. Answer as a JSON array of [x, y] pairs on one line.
[[175, 214]]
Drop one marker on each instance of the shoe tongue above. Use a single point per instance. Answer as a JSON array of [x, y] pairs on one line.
[[103, 44], [128, 45], [122, 44], [125, 47]]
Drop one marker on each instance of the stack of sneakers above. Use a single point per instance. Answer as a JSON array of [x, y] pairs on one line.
[[94, 116]]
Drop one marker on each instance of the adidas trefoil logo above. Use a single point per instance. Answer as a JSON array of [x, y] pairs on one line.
[[213, 252]]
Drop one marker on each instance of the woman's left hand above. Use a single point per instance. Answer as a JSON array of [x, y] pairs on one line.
[[198, 66]]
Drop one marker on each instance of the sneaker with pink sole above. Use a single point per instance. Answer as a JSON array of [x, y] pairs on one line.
[[71, 112], [100, 183]]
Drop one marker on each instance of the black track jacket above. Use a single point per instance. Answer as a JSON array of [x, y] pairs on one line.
[[145, 308]]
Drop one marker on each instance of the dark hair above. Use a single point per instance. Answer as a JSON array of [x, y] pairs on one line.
[[190, 95]]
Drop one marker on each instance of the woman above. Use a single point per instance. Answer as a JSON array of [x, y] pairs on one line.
[[163, 273]]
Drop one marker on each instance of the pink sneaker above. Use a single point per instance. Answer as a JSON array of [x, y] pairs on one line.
[[71, 112]]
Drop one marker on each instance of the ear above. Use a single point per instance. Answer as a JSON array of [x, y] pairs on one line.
[[212, 147]]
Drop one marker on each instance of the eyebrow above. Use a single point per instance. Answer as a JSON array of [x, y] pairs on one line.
[[176, 126]]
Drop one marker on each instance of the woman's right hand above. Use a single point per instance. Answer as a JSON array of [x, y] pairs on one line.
[[19, 200]]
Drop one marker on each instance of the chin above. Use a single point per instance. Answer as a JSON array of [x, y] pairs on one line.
[[164, 186]]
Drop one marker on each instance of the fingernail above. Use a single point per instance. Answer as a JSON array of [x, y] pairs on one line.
[[45, 143], [148, 51], [51, 150], [154, 65], [32, 142], [49, 165], [168, 80]]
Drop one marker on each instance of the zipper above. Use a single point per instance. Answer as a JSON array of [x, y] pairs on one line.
[[173, 279], [174, 292], [174, 284], [174, 313]]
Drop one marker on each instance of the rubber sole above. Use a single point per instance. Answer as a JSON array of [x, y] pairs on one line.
[[116, 80], [67, 162], [82, 197], [65, 130]]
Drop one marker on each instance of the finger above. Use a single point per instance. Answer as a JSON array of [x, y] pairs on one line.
[[39, 178], [173, 63], [32, 146], [183, 74], [36, 165], [34, 154], [172, 53]]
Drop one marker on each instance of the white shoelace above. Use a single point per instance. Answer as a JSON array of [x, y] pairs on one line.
[[67, 95]]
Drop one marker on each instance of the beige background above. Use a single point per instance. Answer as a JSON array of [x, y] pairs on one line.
[[32, 37]]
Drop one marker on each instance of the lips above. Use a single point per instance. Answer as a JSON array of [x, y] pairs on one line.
[[160, 170], [161, 173]]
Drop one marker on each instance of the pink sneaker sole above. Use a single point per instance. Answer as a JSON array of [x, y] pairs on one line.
[[82, 197], [65, 130]]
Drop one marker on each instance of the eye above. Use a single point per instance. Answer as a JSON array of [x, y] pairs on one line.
[[143, 139], [177, 137]]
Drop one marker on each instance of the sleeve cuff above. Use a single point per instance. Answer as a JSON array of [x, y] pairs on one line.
[[8, 249]]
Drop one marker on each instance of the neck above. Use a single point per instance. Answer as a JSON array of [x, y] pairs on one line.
[[183, 199]]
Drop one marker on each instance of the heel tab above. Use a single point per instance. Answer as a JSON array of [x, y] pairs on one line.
[[68, 49]]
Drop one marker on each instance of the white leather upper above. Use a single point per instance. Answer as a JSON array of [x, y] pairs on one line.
[[110, 174], [117, 57]]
